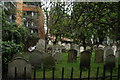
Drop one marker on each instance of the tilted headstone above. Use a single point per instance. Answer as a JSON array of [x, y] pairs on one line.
[[20, 65], [110, 61], [72, 55], [36, 58], [99, 53], [48, 62], [40, 46], [85, 59]]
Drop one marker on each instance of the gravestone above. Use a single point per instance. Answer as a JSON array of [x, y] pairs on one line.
[[57, 49], [72, 55], [36, 58], [88, 48], [95, 47], [40, 46], [106, 51], [99, 53], [101, 46], [20, 64], [63, 50], [110, 61], [67, 46], [81, 49], [49, 62], [109, 51], [76, 47], [50, 49], [17, 56], [114, 47], [117, 54], [85, 59], [57, 56]]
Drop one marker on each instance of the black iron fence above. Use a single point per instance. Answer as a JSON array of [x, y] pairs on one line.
[[103, 77]]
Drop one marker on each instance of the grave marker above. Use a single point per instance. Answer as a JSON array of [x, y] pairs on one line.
[[85, 59], [72, 55], [20, 64], [99, 53]]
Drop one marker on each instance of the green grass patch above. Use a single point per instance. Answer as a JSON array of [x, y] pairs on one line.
[[67, 68]]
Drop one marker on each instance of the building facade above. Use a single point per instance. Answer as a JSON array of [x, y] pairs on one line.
[[27, 14]]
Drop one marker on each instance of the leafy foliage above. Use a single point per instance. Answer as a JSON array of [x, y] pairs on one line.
[[9, 48]]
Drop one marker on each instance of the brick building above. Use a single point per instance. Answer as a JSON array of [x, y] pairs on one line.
[[28, 14]]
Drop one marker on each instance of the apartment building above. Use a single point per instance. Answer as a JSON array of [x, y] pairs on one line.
[[28, 14]]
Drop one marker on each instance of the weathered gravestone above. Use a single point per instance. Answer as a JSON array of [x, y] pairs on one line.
[[36, 58], [110, 61], [85, 59], [118, 54], [40, 46], [107, 51], [77, 48], [57, 49], [57, 56], [99, 53], [72, 55], [17, 56], [50, 49], [20, 65], [88, 48], [63, 49], [81, 49], [49, 62]]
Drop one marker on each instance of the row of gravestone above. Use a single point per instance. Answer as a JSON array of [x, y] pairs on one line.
[[99, 57], [36, 59]]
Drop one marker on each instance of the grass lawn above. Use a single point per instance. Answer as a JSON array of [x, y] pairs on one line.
[[67, 68]]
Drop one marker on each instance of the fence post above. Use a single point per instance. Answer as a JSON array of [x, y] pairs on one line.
[[62, 73], [71, 73], [44, 73], [119, 72], [97, 73], [89, 73], [104, 72], [111, 73], [53, 71], [15, 73], [34, 73], [25, 73], [80, 72]]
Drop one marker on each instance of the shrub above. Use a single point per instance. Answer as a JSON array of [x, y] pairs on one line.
[[49, 62], [9, 48]]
